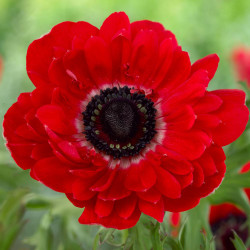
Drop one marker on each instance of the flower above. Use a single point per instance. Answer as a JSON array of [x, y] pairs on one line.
[[227, 217], [241, 61], [121, 122]]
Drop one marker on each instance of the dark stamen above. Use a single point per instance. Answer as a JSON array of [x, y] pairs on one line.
[[118, 122]]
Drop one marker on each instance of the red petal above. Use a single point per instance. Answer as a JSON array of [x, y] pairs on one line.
[[104, 181], [179, 70], [207, 104], [28, 133], [177, 166], [187, 201], [83, 32], [76, 65], [185, 180], [57, 73], [140, 176], [212, 181], [190, 144], [88, 173], [22, 154], [198, 175], [98, 60], [167, 184], [120, 48], [41, 96], [54, 174], [125, 207], [70, 151], [113, 220], [152, 195], [181, 118], [39, 57], [103, 208], [24, 101], [207, 164], [116, 190], [164, 61], [144, 55], [154, 210], [209, 63], [75, 202], [81, 189], [54, 117], [234, 116], [21, 150], [207, 121], [41, 151], [189, 93], [137, 26], [114, 23], [34, 122]]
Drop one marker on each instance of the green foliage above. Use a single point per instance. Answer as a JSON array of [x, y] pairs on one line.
[[11, 214], [238, 243], [197, 233]]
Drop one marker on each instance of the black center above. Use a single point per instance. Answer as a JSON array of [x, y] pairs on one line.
[[120, 120], [119, 123]]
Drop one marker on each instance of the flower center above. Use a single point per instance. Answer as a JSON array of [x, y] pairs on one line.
[[120, 119], [118, 122]]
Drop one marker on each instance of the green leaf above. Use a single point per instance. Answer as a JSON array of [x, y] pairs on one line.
[[43, 238], [155, 236], [140, 236], [38, 203], [105, 234], [11, 214], [96, 242], [239, 180], [197, 232], [237, 241], [237, 159], [172, 244]]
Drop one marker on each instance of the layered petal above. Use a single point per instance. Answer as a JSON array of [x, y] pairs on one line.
[[233, 107], [59, 39], [54, 174]]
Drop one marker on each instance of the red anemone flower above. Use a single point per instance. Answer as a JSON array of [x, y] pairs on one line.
[[121, 122], [241, 61], [227, 217]]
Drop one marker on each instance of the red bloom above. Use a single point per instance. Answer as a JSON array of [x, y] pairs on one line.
[[241, 60], [225, 217], [121, 121]]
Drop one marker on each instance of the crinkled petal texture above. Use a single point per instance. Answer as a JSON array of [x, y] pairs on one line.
[[183, 162]]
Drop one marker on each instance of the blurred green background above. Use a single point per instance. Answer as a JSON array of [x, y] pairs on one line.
[[202, 27]]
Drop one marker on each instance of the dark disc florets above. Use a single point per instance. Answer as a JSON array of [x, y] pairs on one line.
[[118, 122]]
